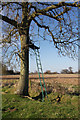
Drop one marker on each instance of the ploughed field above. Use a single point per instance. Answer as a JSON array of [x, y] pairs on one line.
[[60, 83], [60, 78], [49, 78]]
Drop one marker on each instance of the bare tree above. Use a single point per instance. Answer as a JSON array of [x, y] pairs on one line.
[[70, 70], [22, 20], [65, 71]]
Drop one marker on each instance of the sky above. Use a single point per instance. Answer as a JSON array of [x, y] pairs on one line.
[[50, 58]]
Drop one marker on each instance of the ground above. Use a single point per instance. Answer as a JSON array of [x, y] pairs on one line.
[[62, 102]]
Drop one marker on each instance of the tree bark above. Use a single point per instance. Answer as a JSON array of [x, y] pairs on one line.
[[24, 37], [24, 73]]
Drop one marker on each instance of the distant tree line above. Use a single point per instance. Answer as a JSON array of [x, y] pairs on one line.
[[63, 71], [6, 71], [49, 72], [67, 71]]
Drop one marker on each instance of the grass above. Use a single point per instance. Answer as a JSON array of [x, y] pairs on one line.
[[14, 106]]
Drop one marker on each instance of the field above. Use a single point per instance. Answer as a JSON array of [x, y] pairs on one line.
[[62, 102]]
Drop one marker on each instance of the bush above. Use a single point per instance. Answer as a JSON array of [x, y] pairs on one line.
[[47, 72], [55, 73], [65, 71]]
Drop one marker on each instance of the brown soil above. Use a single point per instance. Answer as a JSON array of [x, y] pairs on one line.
[[49, 78]]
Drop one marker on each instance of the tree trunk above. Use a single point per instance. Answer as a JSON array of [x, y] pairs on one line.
[[24, 73], [24, 37]]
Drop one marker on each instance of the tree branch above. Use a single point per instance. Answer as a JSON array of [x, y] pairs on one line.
[[60, 4], [69, 4], [46, 27], [8, 38], [44, 3], [20, 56], [8, 20], [44, 12], [5, 4]]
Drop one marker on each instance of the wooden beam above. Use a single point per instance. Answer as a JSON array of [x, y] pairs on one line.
[[32, 46]]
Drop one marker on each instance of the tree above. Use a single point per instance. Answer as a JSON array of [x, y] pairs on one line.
[[78, 72], [65, 71], [19, 22], [47, 72], [70, 70], [4, 69]]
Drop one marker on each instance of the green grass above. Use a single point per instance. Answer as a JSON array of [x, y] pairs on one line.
[[14, 106]]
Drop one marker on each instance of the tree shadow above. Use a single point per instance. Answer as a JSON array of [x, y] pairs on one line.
[[39, 97], [74, 93]]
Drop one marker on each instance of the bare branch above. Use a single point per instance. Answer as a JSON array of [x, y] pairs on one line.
[[5, 4], [19, 54], [8, 20], [60, 4], [5, 40], [70, 4], [46, 27], [45, 12]]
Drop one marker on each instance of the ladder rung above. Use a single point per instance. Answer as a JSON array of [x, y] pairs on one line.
[[39, 64], [38, 59], [38, 56], [39, 68]]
